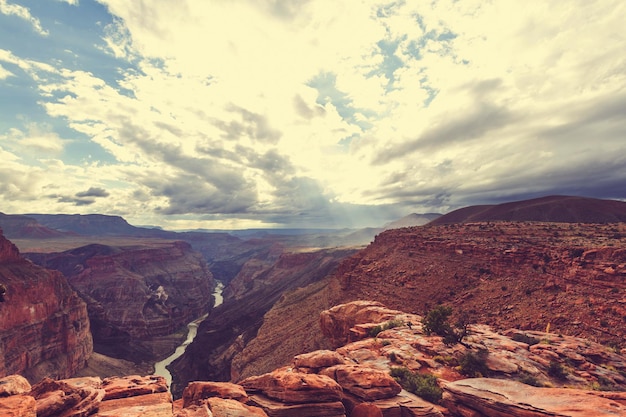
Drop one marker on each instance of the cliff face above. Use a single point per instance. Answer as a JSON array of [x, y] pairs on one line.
[[44, 327], [134, 294], [523, 275]]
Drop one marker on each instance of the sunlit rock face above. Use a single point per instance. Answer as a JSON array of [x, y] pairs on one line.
[[355, 380], [44, 326], [134, 294]]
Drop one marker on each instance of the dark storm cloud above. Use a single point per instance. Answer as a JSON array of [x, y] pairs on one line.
[[604, 118], [461, 129], [93, 192], [76, 201]]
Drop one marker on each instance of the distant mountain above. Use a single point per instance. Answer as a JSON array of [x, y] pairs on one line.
[[96, 225], [16, 226], [557, 209], [413, 219]]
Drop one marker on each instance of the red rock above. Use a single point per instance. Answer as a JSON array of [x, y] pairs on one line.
[[197, 391], [62, 399], [133, 385], [290, 386], [193, 411], [44, 327], [148, 405], [13, 384], [280, 409], [18, 406], [366, 410], [221, 407], [337, 321], [504, 398], [318, 359], [366, 383]]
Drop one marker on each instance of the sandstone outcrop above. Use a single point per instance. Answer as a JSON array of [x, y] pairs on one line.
[[135, 293], [44, 326], [518, 380], [502, 398]]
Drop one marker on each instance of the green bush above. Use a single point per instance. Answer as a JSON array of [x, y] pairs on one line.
[[373, 332], [557, 370], [474, 365], [524, 338], [436, 321], [422, 385], [528, 379]]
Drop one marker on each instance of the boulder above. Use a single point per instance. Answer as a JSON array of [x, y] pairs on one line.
[[290, 386], [364, 382], [318, 359], [196, 392], [337, 321], [14, 384], [63, 399], [505, 398], [18, 406], [221, 407], [132, 386]]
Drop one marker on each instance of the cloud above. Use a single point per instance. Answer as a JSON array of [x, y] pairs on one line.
[[4, 73], [23, 13], [36, 140], [93, 192]]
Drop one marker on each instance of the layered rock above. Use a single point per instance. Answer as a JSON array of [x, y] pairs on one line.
[[44, 326], [225, 334], [523, 275], [134, 294], [502, 398]]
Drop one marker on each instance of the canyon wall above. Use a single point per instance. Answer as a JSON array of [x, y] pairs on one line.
[[229, 327], [44, 326], [134, 294]]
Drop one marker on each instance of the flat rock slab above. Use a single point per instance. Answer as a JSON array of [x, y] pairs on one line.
[[150, 405], [503, 398], [279, 409]]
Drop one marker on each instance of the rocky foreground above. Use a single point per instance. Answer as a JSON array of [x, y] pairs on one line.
[[513, 373]]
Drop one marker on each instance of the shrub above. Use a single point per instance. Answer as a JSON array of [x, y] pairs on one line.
[[422, 385], [528, 379], [436, 321], [385, 326], [524, 338], [557, 370], [474, 365]]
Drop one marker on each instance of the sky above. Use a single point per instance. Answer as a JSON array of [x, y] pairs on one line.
[[230, 114]]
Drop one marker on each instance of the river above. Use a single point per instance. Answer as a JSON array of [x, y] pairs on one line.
[[160, 368]]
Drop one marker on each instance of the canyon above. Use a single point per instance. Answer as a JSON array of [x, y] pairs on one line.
[[558, 287], [135, 294], [570, 278]]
